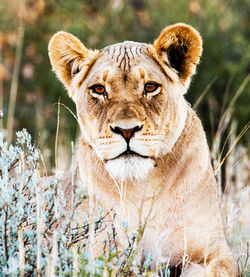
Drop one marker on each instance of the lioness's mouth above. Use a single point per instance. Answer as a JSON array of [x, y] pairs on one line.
[[128, 153]]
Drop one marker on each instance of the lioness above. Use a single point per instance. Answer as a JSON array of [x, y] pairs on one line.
[[144, 147]]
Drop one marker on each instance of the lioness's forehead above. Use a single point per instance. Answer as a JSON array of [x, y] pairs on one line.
[[125, 54], [129, 59]]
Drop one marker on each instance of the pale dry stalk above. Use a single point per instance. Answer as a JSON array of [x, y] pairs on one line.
[[243, 131], [225, 118], [74, 247], [57, 133], [39, 228], [91, 225], [1, 87], [20, 228], [50, 270], [75, 261], [21, 251], [17, 63], [205, 91]]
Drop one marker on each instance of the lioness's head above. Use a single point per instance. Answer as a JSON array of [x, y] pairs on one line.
[[129, 96]]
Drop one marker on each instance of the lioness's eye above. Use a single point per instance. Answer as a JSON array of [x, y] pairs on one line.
[[150, 87], [99, 89]]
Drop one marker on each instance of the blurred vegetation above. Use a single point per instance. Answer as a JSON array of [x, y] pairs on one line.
[[223, 24]]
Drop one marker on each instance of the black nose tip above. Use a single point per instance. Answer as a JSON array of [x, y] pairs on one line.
[[126, 133]]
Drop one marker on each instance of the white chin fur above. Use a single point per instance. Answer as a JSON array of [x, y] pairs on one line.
[[129, 168]]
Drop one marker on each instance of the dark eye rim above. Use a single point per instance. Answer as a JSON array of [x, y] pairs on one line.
[[151, 83], [98, 93]]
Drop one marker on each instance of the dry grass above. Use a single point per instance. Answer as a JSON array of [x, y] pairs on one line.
[[235, 204]]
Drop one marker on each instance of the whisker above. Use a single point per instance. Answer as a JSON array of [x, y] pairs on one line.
[[147, 139], [106, 139]]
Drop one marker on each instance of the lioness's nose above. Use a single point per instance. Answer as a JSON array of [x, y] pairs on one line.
[[126, 133]]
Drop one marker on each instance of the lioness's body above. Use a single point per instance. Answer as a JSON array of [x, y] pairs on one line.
[[144, 147]]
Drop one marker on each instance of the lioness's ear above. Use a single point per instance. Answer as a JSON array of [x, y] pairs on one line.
[[180, 46], [68, 56]]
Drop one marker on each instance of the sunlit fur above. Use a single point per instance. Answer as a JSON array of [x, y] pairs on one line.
[[165, 176]]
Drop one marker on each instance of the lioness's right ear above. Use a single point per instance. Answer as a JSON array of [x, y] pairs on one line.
[[180, 46], [68, 56]]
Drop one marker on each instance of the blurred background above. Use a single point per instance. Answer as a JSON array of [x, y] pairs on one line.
[[29, 90]]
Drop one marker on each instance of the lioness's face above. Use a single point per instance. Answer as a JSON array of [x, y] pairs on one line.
[[129, 99], [130, 110]]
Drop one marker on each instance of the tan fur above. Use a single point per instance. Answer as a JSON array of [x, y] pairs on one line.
[[171, 185]]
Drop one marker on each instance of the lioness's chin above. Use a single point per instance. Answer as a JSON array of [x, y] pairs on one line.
[[136, 168]]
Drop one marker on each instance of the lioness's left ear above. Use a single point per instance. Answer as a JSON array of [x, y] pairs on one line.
[[180, 46], [68, 56]]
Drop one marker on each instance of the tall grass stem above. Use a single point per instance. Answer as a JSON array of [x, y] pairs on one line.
[[21, 251], [57, 133], [15, 76], [205, 91], [1, 87]]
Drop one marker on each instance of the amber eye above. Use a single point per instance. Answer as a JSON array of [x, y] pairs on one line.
[[98, 89], [150, 87]]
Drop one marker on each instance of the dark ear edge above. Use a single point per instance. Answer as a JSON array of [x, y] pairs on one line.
[[180, 46]]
